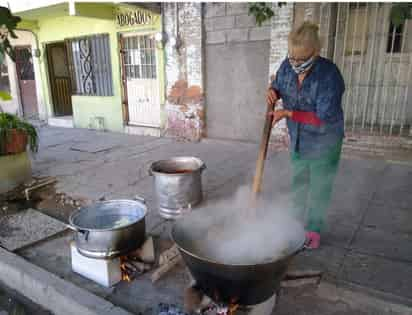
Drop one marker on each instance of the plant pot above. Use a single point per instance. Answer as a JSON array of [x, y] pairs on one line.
[[16, 142]]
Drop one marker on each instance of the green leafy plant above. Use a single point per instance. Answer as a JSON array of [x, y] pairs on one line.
[[8, 23], [262, 11], [400, 12], [9, 122]]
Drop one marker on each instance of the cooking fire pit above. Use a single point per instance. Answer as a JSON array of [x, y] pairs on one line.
[[250, 280]]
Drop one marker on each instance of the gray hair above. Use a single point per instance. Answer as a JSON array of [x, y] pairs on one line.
[[306, 35]]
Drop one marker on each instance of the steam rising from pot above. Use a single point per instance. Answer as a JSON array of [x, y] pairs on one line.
[[232, 232]]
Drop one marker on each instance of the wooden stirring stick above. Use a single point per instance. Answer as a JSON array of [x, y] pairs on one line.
[[263, 149]]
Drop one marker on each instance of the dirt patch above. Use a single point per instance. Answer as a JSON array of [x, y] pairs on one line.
[[44, 199], [58, 206]]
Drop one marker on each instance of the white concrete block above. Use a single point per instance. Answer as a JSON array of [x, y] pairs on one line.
[[218, 37], [236, 8], [245, 20], [222, 22], [237, 35], [105, 272], [259, 33], [215, 9]]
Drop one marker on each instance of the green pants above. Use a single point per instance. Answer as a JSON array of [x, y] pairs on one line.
[[312, 182]]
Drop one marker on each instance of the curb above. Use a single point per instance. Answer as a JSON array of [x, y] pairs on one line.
[[363, 298], [49, 291], [64, 298]]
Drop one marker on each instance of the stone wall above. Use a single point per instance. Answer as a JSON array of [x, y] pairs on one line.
[[184, 80]]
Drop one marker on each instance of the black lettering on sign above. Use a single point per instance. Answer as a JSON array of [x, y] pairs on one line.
[[135, 17], [133, 20]]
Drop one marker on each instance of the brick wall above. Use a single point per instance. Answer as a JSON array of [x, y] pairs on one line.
[[230, 22], [184, 78], [281, 25], [222, 23]]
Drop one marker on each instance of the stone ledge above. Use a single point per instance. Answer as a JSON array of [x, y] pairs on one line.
[[49, 291]]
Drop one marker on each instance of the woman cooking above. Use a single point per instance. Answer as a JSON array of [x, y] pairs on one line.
[[311, 89]]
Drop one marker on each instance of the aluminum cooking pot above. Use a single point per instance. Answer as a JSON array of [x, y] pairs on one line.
[[110, 228], [177, 184]]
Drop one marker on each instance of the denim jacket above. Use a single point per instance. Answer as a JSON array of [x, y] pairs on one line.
[[321, 92]]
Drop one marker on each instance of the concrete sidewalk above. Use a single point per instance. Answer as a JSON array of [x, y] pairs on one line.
[[366, 247]]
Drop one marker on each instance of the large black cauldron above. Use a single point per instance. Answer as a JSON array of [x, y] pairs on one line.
[[245, 284]]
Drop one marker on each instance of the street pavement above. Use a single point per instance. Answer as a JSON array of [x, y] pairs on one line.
[[366, 245]]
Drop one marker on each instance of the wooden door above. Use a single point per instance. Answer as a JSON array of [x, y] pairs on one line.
[[59, 76], [27, 84]]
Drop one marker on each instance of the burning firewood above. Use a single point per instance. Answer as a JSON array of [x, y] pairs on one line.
[[145, 253], [140, 266], [167, 263], [128, 274], [168, 254], [129, 266], [138, 262]]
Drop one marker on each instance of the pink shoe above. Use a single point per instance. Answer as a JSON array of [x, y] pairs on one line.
[[312, 240]]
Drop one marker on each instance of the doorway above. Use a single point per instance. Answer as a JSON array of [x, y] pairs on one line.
[[59, 77], [140, 80], [27, 83]]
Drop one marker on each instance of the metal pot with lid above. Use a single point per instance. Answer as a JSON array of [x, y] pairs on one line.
[[109, 229]]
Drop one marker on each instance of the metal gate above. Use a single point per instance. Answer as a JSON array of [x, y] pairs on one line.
[[375, 58], [27, 84], [141, 80]]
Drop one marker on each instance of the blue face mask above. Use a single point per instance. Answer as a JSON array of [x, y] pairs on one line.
[[303, 67]]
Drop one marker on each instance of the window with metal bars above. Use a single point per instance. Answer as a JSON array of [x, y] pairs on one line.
[[140, 57], [356, 43], [395, 36], [24, 64], [90, 65]]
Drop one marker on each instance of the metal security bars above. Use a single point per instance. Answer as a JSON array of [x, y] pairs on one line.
[[375, 58], [140, 57], [91, 69]]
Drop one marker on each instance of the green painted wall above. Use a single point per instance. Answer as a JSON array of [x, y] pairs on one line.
[[63, 27]]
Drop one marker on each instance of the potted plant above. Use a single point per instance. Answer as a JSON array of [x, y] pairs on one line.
[[15, 134]]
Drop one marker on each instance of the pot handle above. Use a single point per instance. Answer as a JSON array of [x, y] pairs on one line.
[[203, 167], [141, 199], [84, 232], [149, 171]]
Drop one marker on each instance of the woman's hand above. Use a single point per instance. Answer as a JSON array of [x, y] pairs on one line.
[[271, 97], [280, 114]]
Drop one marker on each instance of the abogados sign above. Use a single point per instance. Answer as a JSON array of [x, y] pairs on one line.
[[137, 17]]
